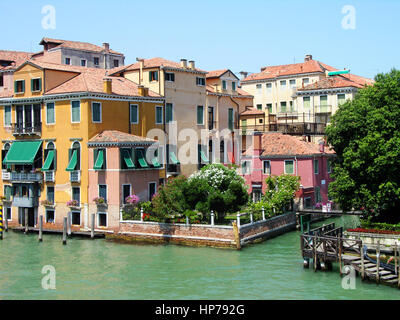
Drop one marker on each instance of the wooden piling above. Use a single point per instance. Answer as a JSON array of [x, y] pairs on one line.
[[315, 253], [236, 235], [1, 223], [212, 218], [263, 213], [362, 262], [5, 218], [92, 226], [378, 261], [65, 230], [40, 228], [69, 223], [340, 254], [395, 258], [26, 221]]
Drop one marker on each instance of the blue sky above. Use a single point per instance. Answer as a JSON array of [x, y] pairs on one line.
[[240, 35]]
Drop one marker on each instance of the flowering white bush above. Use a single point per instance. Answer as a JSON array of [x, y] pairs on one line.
[[217, 175]]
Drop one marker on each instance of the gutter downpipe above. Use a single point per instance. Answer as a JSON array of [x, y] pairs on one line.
[[237, 124]]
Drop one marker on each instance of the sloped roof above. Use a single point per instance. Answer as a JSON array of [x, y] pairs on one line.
[[18, 57], [216, 73], [340, 81], [115, 136], [240, 92], [78, 45], [311, 66], [251, 111]]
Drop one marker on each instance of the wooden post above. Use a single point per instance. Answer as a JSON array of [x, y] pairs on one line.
[[238, 220], [251, 218], [263, 213], [69, 223], [1, 223], [92, 226], [40, 228], [141, 214], [26, 220], [236, 235], [315, 253], [64, 238], [395, 258], [362, 262], [212, 217], [378, 261], [340, 254], [5, 218]]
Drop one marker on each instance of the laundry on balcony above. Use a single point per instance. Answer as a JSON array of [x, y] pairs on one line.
[[22, 152]]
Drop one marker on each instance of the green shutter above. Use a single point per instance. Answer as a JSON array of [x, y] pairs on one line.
[[203, 157], [73, 161], [15, 87], [99, 160], [40, 84], [306, 102], [230, 119], [200, 113], [32, 85], [155, 162], [156, 75], [134, 114], [48, 161], [141, 159], [150, 76], [50, 108], [76, 111], [173, 158], [127, 159], [23, 85], [169, 113], [289, 167]]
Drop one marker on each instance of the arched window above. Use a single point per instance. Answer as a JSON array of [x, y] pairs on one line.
[[222, 151], [51, 146], [74, 157], [6, 147]]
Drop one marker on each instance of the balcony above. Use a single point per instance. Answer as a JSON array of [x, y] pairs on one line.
[[287, 114], [322, 109], [25, 202], [75, 176], [6, 175], [49, 176], [26, 177], [27, 128]]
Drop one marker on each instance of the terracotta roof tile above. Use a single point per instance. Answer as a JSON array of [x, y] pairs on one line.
[[340, 81], [17, 57], [216, 73], [156, 63], [118, 136], [251, 111]]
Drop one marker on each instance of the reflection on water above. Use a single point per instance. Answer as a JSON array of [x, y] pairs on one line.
[[100, 269]]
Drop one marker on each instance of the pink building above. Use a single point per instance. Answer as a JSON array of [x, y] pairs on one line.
[[119, 168], [276, 154]]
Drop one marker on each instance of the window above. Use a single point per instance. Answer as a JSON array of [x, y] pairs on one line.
[[292, 83], [126, 192], [7, 116], [307, 203], [323, 100], [96, 112], [19, 86], [74, 157], [76, 218], [1, 80], [99, 158], [291, 107], [169, 76], [233, 86], [289, 167], [169, 113], [36, 85], [200, 115], [7, 192], [267, 167], [269, 107], [102, 219], [8, 213], [152, 190], [246, 167], [259, 107], [96, 61], [317, 194], [223, 85], [200, 81], [283, 107], [159, 115], [306, 81], [269, 87], [76, 194], [153, 76], [50, 216], [134, 113], [341, 99], [83, 63], [329, 165], [306, 103], [259, 88], [283, 84], [126, 160], [75, 111], [116, 63], [50, 194], [50, 113], [256, 194], [316, 166], [68, 61], [103, 191], [230, 119]]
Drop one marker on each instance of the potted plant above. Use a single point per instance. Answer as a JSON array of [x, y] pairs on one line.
[[132, 200], [100, 201], [47, 203], [72, 203]]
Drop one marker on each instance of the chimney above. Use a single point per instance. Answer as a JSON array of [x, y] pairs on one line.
[[143, 91], [243, 74], [308, 57], [263, 68], [184, 63], [191, 65], [106, 46], [322, 146], [107, 85]]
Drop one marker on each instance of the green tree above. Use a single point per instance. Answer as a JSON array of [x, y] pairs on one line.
[[365, 133]]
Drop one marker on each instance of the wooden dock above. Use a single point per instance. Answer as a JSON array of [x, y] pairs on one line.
[[86, 234], [325, 245]]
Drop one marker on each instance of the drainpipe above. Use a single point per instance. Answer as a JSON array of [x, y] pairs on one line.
[[129, 118], [237, 125], [297, 166]]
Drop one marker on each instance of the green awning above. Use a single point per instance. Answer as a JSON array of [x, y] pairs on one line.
[[155, 162], [173, 157], [141, 159], [73, 162], [203, 157], [99, 161], [48, 161], [128, 160], [334, 73], [22, 152]]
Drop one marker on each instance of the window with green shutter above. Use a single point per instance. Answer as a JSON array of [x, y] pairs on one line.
[[223, 85], [283, 107], [259, 107], [316, 166], [230, 119], [169, 113], [50, 113], [96, 112], [7, 116], [19, 86], [36, 85], [75, 111], [306, 103], [134, 113], [269, 107], [159, 115], [200, 115], [153, 76], [341, 99], [289, 167]]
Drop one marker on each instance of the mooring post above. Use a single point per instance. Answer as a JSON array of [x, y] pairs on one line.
[[315, 253], [40, 228], [92, 226], [187, 220], [340, 255], [238, 220], [236, 233], [64, 238], [212, 217], [378, 260], [69, 223], [1, 223], [26, 220], [263, 212], [362, 262], [251, 217], [141, 214], [395, 258], [5, 218]]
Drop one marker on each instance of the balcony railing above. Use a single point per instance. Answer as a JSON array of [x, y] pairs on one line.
[[27, 128], [6, 175], [323, 109], [49, 176], [26, 177], [287, 114], [25, 202], [75, 176]]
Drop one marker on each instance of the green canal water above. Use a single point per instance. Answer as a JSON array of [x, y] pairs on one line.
[[100, 269]]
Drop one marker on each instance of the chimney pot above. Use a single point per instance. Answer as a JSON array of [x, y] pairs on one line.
[[308, 57], [191, 65], [243, 74], [184, 63], [107, 85], [106, 46], [263, 68]]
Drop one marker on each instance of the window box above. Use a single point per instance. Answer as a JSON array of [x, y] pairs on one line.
[[47, 203]]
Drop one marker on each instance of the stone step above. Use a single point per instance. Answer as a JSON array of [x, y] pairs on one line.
[[389, 277]]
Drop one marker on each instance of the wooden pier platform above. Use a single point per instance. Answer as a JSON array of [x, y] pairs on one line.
[[86, 234]]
